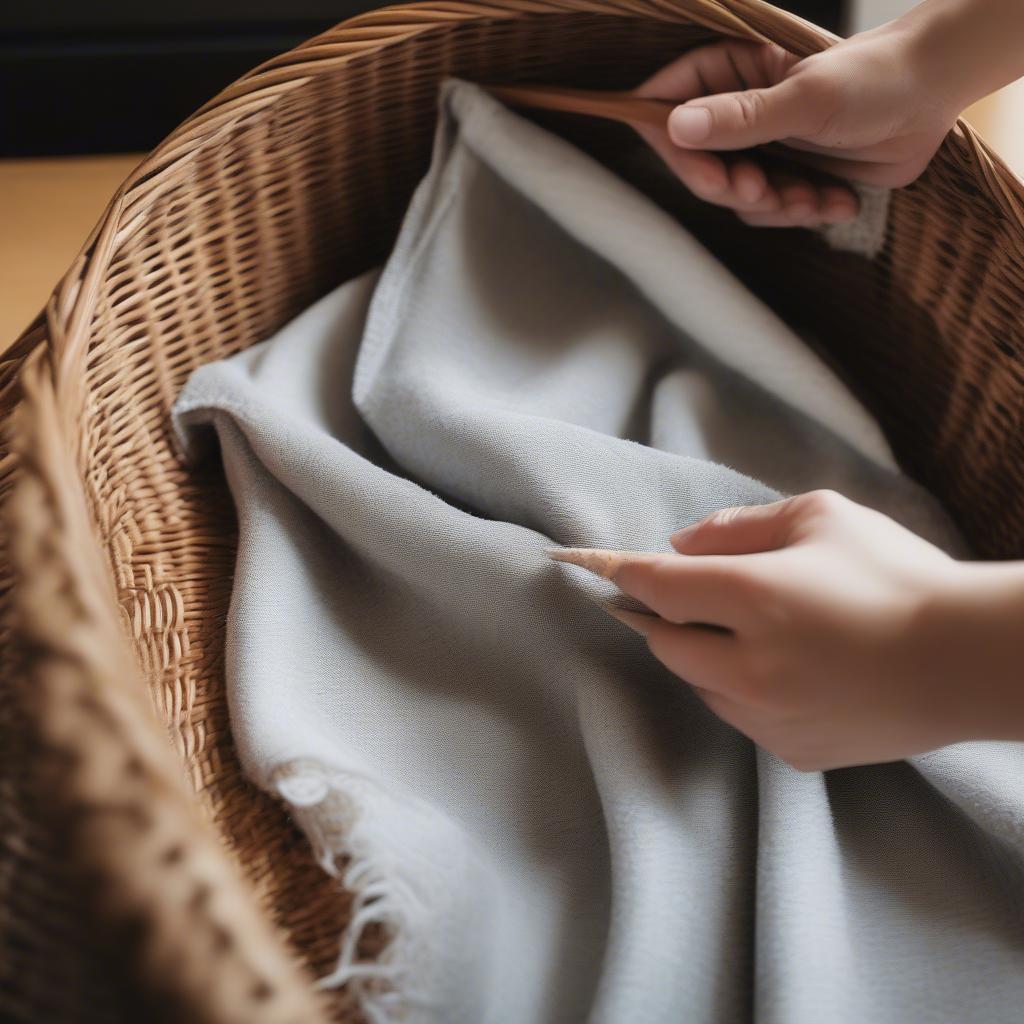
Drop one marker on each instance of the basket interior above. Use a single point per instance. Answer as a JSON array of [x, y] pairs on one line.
[[305, 190]]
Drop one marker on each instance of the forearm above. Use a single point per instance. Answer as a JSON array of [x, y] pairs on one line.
[[983, 609], [970, 48]]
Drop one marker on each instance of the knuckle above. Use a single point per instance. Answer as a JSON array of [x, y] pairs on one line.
[[774, 61], [749, 108], [823, 502], [722, 518]]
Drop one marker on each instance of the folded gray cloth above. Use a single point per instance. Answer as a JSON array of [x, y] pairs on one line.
[[552, 827]]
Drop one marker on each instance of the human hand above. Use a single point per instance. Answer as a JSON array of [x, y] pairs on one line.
[[869, 109], [842, 637]]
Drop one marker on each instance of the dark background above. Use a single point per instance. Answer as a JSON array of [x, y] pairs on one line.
[[105, 76]]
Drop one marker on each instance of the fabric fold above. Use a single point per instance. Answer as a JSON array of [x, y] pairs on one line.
[[548, 824]]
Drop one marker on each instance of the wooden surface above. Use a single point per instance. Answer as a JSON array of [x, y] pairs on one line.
[[47, 207], [999, 120]]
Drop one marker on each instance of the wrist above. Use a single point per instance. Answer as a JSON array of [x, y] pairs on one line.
[[977, 630], [962, 50]]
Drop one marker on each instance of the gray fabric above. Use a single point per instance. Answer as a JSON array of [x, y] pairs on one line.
[[551, 825]]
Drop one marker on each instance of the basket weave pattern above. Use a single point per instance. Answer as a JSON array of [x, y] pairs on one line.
[[117, 572]]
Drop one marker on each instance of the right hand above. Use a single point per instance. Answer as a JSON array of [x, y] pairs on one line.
[[867, 109], [843, 637]]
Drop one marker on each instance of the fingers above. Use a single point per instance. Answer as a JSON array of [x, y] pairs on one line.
[[754, 529], [719, 67], [803, 203], [745, 530], [681, 590], [684, 590], [701, 657], [738, 96], [704, 174], [749, 182], [742, 119], [743, 186], [760, 196], [838, 204], [799, 199], [706, 661]]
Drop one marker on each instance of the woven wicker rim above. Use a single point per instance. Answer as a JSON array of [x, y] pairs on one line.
[[65, 581], [72, 303]]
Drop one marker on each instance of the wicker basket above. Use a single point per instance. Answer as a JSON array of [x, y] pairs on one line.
[[141, 879]]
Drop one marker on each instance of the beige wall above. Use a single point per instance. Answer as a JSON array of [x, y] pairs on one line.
[[999, 118], [869, 13]]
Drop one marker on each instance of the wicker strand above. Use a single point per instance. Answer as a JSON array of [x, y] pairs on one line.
[[115, 783], [291, 180]]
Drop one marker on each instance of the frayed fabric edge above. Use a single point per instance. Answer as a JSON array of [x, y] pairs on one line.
[[415, 871], [866, 233], [326, 807]]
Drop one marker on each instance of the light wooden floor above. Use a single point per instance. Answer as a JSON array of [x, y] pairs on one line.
[[48, 207]]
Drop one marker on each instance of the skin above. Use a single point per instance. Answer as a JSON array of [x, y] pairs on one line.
[[873, 108], [842, 637]]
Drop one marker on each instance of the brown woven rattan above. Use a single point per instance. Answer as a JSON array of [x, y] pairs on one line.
[[146, 879]]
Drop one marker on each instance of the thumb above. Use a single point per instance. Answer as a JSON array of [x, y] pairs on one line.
[[739, 120], [738, 531]]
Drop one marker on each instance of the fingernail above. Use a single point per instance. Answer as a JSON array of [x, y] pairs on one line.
[[714, 185], [637, 621], [602, 561], [838, 213], [681, 533], [689, 125], [749, 191]]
